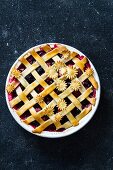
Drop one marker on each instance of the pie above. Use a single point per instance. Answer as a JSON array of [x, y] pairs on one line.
[[51, 88]]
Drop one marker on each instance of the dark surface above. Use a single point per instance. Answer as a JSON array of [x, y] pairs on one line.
[[86, 25]]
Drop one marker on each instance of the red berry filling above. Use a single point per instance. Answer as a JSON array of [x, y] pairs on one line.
[[50, 62], [49, 81], [30, 78], [60, 55], [37, 107], [79, 72], [10, 96], [39, 89], [86, 83], [11, 79], [19, 105], [55, 46], [51, 128], [48, 99], [93, 94], [80, 57], [70, 63], [40, 70], [45, 117], [75, 111], [41, 52], [31, 59], [85, 103], [34, 124], [21, 67], [25, 115], [87, 65], [76, 93]]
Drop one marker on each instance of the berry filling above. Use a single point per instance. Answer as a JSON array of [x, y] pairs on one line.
[[39, 89], [21, 67], [41, 52], [22, 87], [48, 99], [76, 93], [50, 62], [11, 79], [75, 111], [68, 82], [87, 65], [64, 120], [19, 105], [55, 46], [57, 91], [37, 107], [85, 103], [67, 101], [86, 83], [12, 95], [80, 57], [29, 96], [45, 117], [40, 70], [93, 94], [70, 63], [60, 55], [51, 128], [31, 59], [34, 124], [79, 72], [56, 110], [30, 78], [25, 115], [49, 81]]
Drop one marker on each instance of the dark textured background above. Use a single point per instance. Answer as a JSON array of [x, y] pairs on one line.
[[86, 25]]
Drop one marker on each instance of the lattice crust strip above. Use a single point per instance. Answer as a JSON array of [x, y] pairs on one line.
[[60, 72]]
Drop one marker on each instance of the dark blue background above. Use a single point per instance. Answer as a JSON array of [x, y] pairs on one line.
[[86, 25]]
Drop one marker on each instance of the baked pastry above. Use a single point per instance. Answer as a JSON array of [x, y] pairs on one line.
[[52, 88]]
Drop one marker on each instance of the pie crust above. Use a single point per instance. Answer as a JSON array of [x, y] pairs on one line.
[[66, 78]]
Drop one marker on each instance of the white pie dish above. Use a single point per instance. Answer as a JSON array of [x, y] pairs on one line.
[[70, 130]]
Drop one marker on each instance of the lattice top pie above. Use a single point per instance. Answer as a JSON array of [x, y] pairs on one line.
[[52, 88]]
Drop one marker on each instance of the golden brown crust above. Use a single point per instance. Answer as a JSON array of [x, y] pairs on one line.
[[51, 72], [39, 98], [61, 104], [60, 84], [71, 72], [10, 88], [59, 64], [66, 54], [63, 70], [89, 71], [75, 85], [58, 117], [16, 73], [48, 110]]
